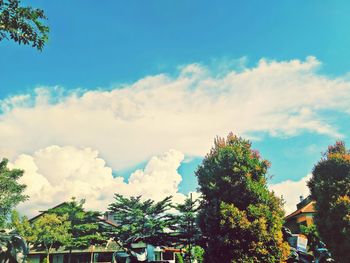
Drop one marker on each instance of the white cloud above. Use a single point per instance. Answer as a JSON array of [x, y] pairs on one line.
[[55, 174], [291, 192], [130, 124]]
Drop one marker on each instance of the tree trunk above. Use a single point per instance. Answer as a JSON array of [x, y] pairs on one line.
[[48, 251]]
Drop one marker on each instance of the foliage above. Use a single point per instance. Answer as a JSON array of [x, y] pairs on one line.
[[186, 226], [241, 220], [179, 258], [330, 188], [84, 228], [11, 191], [198, 253], [22, 24], [51, 230], [313, 237], [22, 226], [141, 220]]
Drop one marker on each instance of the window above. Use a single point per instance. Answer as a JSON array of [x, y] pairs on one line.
[[168, 255]]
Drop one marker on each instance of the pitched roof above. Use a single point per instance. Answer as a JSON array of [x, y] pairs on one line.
[[44, 212], [308, 208], [64, 203]]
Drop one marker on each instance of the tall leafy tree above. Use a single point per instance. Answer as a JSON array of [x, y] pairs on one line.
[[330, 188], [51, 230], [186, 226], [85, 227], [11, 191], [23, 24], [141, 220], [241, 220]]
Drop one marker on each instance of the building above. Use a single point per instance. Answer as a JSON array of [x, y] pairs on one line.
[[302, 216], [108, 252], [93, 253]]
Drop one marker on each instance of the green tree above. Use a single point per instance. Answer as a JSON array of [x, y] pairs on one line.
[[51, 231], [23, 25], [186, 226], [141, 220], [241, 220], [313, 237], [330, 188], [198, 253], [85, 227], [178, 258], [23, 227], [11, 191]]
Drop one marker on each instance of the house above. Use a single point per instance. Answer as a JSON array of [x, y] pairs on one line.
[[302, 216], [94, 253], [108, 252], [148, 253]]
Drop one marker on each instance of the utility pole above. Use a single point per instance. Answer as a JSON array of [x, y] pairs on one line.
[[191, 231]]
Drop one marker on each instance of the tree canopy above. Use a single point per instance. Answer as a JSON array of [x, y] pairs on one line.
[[186, 227], [139, 220], [330, 188], [241, 220], [85, 228], [23, 227], [23, 25], [51, 230], [11, 191]]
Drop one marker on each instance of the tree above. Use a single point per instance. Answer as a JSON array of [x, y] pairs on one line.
[[23, 227], [22, 24], [241, 220], [85, 228], [186, 226], [330, 188], [313, 237], [11, 191], [141, 220], [51, 231]]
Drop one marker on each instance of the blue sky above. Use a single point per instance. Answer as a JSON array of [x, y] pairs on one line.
[[115, 45]]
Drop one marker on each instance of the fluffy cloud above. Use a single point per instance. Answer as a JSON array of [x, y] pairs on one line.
[[291, 192], [130, 124], [55, 174]]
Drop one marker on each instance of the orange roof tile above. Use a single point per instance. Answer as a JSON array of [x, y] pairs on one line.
[[309, 208]]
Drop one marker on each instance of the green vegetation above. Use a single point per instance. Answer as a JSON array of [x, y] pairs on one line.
[[198, 253], [186, 226], [142, 220], [23, 227], [84, 229], [241, 220], [330, 188], [50, 231], [313, 237], [23, 25], [11, 191], [237, 219]]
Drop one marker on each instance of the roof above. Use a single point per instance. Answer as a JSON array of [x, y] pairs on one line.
[[64, 203], [44, 212], [308, 208]]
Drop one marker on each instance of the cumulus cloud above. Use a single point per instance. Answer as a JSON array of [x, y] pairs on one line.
[[291, 192], [55, 174], [130, 124]]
